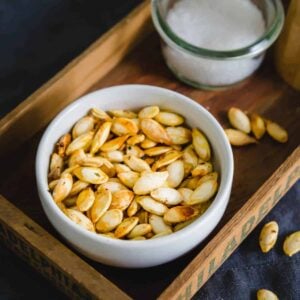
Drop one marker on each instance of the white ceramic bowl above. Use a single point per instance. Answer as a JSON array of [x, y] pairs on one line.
[[136, 254]]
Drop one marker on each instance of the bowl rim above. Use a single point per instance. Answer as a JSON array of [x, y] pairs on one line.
[[224, 186]]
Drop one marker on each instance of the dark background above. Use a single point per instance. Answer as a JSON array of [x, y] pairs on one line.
[[37, 39]]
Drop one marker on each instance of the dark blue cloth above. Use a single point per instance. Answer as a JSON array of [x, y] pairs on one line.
[[38, 37]]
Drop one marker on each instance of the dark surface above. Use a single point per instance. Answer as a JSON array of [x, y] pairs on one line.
[[30, 32]]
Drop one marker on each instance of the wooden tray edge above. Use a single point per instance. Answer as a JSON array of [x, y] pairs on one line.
[[203, 266]]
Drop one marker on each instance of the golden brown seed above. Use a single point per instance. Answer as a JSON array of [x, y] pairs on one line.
[[169, 119], [85, 199], [111, 186], [122, 126], [257, 126], [239, 138], [101, 205], [109, 171], [62, 188], [291, 244], [96, 162], [126, 226], [100, 137], [154, 131], [90, 175], [62, 144], [81, 142], [56, 165], [179, 135], [136, 139], [116, 156], [202, 169], [139, 230], [147, 143], [201, 145], [149, 181], [179, 214], [157, 150], [82, 126], [149, 112], [136, 164], [99, 114], [190, 157], [109, 221], [123, 114], [264, 294], [186, 193], [239, 120], [114, 144], [176, 173], [268, 236], [133, 208], [166, 159], [77, 158], [135, 151], [120, 168], [129, 178], [158, 224], [276, 132], [152, 206], [80, 219], [121, 199], [167, 196]]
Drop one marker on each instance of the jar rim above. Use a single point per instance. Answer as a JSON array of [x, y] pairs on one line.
[[261, 44]]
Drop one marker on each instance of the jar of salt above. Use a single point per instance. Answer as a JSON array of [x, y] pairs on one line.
[[212, 44]]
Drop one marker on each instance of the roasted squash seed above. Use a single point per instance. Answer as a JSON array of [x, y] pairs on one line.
[[264, 294], [268, 236], [291, 244]]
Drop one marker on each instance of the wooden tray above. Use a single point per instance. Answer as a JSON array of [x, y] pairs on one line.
[[130, 53]]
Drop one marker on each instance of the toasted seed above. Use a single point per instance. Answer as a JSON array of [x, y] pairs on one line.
[[52, 184], [207, 187], [109, 220], [70, 201], [264, 294], [62, 188], [77, 158], [80, 219], [81, 142], [167, 196], [158, 224], [63, 144], [129, 178], [113, 187], [149, 181], [166, 159], [190, 157], [154, 131], [161, 234], [122, 126], [85, 199], [176, 173], [109, 171], [114, 144], [157, 150], [147, 143], [201, 145], [120, 168], [179, 135], [139, 238], [239, 138], [169, 119], [136, 164], [133, 208], [149, 112], [82, 126], [139, 230], [90, 175], [121, 199], [268, 236], [179, 214], [126, 226], [186, 193], [96, 161], [257, 126], [239, 120], [116, 156], [291, 244], [135, 151], [193, 182], [101, 136], [56, 165], [276, 132], [101, 205], [182, 225], [143, 216], [136, 139], [202, 169], [187, 169], [123, 114], [152, 206], [100, 114]]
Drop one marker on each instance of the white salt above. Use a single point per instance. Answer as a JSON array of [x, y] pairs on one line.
[[216, 25]]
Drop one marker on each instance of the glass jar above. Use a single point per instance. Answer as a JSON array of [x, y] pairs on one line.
[[213, 69]]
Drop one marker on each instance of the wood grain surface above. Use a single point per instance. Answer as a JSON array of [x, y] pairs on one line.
[[254, 181]]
